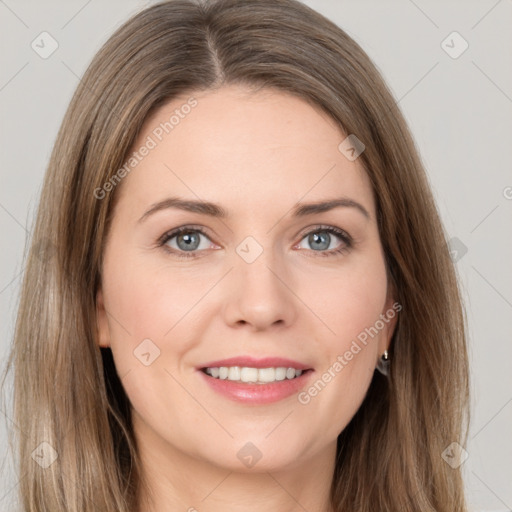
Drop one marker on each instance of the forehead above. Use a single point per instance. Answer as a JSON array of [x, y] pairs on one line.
[[241, 148]]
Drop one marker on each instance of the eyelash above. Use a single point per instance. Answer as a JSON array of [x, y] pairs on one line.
[[343, 235]]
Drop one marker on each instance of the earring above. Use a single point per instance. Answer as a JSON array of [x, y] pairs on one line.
[[383, 364]]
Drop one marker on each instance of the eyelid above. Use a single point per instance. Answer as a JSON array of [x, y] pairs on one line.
[[321, 227], [171, 233], [346, 238]]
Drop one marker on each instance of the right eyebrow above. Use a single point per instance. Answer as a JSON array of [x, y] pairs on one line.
[[189, 205]]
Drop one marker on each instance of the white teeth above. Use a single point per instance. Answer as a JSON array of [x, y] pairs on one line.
[[281, 373], [248, 375], [234, 373], [290, 373], [253, 375], [267, 374]]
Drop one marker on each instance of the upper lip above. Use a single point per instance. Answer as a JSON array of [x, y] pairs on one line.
[[252, 362]]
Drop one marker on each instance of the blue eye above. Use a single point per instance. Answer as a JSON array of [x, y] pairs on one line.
[[321, 237], [186, 241]]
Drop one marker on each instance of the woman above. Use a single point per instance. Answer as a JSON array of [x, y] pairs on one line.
[[239, 293]]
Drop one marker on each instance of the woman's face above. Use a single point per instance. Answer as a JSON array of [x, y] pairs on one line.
[[267, 280]]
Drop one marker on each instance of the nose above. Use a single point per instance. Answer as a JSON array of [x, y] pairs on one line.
[[260, 294]]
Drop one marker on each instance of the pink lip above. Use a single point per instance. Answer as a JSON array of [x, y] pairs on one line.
[[256, 394], [251, 362]]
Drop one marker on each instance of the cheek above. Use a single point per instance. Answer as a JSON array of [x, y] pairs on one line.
[[150, 300], [138, 313], [351, 309], [151, 310], [351, 300]]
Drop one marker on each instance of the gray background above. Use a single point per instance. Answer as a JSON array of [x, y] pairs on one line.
[[459, 110]]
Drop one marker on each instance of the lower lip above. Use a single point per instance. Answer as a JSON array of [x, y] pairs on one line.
[[258, 393]]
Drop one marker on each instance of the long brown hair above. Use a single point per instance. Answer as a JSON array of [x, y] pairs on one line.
[[66, 390]]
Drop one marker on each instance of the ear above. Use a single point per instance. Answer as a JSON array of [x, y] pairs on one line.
[[389, 317], [103, 331]]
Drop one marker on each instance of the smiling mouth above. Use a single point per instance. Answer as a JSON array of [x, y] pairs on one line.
[[249, 375]]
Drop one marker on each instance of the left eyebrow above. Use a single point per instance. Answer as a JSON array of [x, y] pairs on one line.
[[217, 211], [303, 209]]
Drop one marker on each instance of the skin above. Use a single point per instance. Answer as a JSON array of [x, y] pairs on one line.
[[257, 154]]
